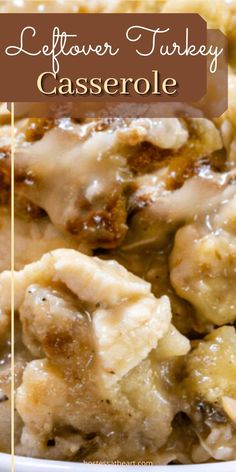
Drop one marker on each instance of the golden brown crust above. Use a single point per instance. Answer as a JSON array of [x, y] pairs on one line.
[[5, 176]]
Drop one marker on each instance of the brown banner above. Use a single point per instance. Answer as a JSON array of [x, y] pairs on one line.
[[111, 63]]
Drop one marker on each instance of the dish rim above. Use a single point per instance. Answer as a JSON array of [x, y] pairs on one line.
[[28, 464]]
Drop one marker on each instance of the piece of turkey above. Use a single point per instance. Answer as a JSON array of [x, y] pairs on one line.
[[99, 338]]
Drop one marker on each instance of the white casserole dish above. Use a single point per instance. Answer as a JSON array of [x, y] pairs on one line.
[[24, 464]]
